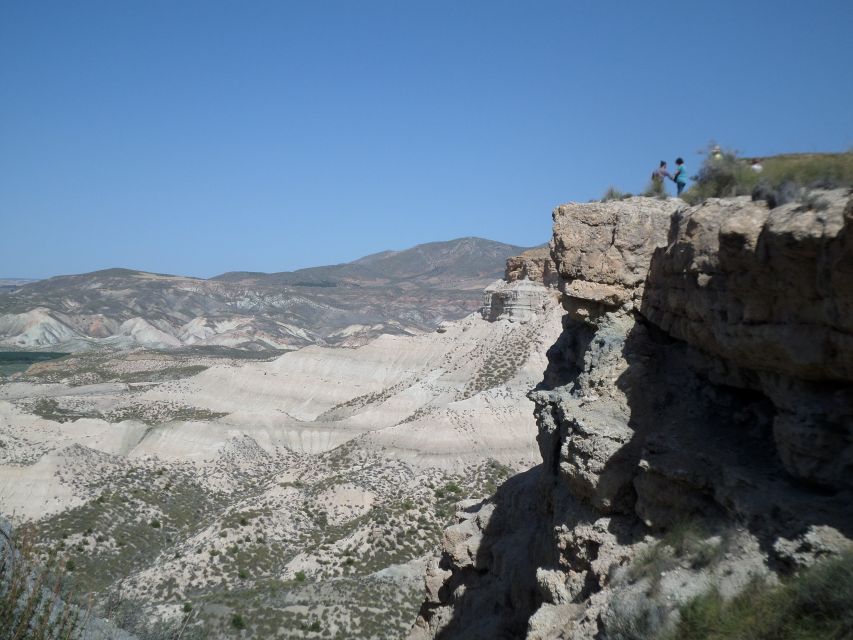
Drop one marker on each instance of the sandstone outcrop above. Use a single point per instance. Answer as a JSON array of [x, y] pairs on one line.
[[698, 398], [602, 249], [534, 264], [517, 301], [526, 290], [768, 294]]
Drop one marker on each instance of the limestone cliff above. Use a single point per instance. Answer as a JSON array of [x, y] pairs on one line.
[[702, 384], [534, 264], [527, 288]]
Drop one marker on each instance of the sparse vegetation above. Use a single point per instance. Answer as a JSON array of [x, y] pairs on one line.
[[816, 604], [783, 178], [688, 543], [501, 364], [31, 604], [613, 193], [237, 621], [197, 542], [655, 189]]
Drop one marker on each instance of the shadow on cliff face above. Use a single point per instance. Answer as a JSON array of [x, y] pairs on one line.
[[703, 447], [690, 448], [491, 558], [640, 431], [493, 554]]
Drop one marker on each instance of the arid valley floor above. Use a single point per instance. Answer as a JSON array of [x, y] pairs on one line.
[[293, 495]]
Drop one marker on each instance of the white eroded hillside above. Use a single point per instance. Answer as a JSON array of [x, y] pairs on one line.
[[300, 493]]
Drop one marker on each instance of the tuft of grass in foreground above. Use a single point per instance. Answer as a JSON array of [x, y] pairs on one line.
[[31, 603], [817, 604], [613, 193]]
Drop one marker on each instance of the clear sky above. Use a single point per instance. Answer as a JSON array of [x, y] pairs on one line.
[[202, 137]]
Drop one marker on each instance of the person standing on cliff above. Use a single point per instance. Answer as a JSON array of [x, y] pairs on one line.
[[658, 176], [680, 176], [661, 172]]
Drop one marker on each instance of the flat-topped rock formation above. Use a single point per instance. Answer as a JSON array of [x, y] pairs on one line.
[[526, 289], [518, 301], [702, 377]]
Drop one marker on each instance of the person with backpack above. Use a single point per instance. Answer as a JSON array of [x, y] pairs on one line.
[[680, 176]]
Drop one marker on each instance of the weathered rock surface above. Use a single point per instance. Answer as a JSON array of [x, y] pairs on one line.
[[602, 249], [768, 290], [535, 264], [702, 377], [526, 289], [517, 301]]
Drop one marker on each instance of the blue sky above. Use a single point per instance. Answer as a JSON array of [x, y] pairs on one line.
[[202, 137]]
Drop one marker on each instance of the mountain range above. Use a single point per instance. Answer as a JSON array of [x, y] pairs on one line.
[[396, 292]]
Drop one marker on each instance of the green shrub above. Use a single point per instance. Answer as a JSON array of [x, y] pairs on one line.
[[300, 576], [452, 487], [784, 178], [613, 193], [817, 604], [722, 175], [237, 621]]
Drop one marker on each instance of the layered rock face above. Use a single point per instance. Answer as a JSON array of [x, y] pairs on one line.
[[525, 291], [702, 377], [768, 295], [518, 301]]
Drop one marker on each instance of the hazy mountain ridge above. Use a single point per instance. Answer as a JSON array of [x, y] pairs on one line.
[[461, 263], [402, 292]]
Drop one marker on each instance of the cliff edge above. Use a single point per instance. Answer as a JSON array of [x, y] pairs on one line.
[[695, 424]]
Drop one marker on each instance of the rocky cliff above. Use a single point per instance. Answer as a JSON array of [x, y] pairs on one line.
[[526, 289], [534, 264], [695, 424]]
